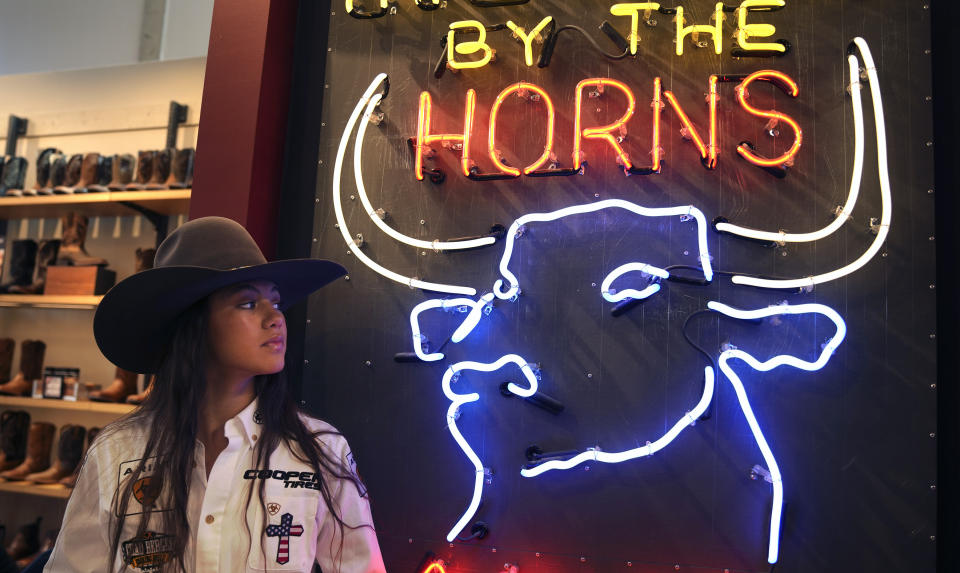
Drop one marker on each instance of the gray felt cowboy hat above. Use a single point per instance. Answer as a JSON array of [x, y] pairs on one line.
[[136, 318]]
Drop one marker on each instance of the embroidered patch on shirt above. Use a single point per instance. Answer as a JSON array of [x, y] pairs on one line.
[[273, 508], [145, 491], [148, 553], [362, 489], [283, 531], [291, 479]]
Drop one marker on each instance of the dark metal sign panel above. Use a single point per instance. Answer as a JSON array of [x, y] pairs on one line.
[[693, 329]]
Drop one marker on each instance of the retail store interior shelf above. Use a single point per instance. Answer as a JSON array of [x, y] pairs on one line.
[[83, 405], [113, 204], [55, 490], [78, 302]]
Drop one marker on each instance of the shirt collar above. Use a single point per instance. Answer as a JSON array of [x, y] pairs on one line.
[[245, 424]]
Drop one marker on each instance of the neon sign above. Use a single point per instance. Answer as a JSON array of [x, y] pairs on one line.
[[646, 279], [612, 134]]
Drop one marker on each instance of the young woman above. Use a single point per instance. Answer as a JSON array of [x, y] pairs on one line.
[[217, 470]]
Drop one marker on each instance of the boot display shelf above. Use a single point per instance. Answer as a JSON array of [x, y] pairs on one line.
[[62, 301], [22, 488], [114, 203], [51, 404]]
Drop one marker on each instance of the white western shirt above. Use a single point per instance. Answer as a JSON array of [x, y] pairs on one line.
[[296, 525]]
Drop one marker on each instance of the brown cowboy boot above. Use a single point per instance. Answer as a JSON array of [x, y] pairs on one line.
[[145, 162], [139, 398], [31, 368], [69, 451], [123, 167], [104, 173], [162, 162], [89, 173], [123, 385], [71, 480], [6, 358], [72, 251], [14, 427], [181, 173], [46, 255], [39, 443]]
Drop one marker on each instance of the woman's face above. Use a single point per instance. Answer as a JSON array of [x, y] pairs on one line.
[[247, 333]]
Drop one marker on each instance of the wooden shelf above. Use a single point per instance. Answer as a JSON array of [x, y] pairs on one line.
[[171, 202], [83, 406], [23, 488], [78, 302]]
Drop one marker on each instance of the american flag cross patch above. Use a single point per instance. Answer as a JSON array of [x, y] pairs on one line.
[[284, 531]]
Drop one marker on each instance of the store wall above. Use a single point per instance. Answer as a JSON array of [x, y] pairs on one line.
[[122, 109], [54, 35]]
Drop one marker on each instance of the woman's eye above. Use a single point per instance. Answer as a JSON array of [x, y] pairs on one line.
[[250, 304], [277, 305]]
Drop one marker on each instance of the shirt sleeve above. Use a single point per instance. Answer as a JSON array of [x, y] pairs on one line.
[[361, 551], [82, 546]]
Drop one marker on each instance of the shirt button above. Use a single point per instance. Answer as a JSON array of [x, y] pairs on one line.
[[209, 519], [254, 437]]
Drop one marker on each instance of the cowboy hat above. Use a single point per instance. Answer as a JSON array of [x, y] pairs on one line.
[[137, 317]]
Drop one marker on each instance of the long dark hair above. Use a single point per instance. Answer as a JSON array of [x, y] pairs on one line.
[[170, 413]]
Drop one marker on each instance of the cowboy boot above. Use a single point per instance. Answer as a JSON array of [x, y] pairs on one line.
[[44, 159], [26, 542], [104, 173], [72, 176], [6, 358], [31, 367], [71, 480], [14, 427], [145, 162], [89, 172], [124, 384], [14, 172], [72, 251], [69, 451], [139, 398], [58, 172], [46, 255], [39, 443], [181, 174], [123, 168], [161, 169], [23, 257]]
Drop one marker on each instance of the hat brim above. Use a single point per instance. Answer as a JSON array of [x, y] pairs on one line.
[[135, 320]]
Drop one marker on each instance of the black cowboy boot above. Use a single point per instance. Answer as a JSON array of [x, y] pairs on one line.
[[14, 427], [14, 172], [7, 345], [58, 173], [72, 177], [43, 169], [23, 257], [46, 255]]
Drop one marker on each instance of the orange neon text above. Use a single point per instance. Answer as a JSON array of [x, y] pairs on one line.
[[593, 138]]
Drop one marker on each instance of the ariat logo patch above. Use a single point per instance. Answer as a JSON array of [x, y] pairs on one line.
[[291, 479], [145, 491], [273, 508], [148, 553]]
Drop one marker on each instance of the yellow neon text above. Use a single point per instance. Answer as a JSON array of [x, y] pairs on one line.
[[633, 10], [715, 29], [465, 48], [528, 38], [746, 31]]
